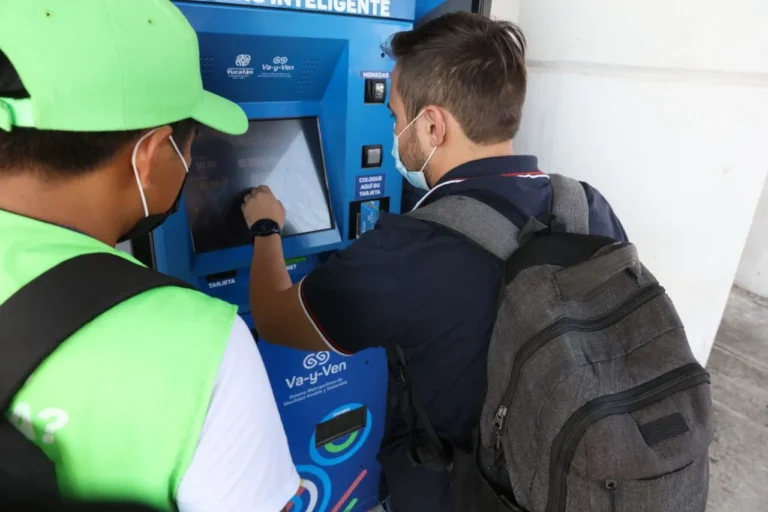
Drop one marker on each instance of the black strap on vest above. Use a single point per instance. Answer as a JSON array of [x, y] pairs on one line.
[[55, 305]]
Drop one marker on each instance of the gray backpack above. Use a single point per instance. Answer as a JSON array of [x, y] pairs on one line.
[[594, 400]]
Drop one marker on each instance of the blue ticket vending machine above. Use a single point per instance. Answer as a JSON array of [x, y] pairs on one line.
[[312, 78]]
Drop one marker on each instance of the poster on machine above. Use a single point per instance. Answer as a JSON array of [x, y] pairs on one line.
[[332, 410]]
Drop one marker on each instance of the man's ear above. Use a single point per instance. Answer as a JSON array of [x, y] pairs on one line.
[[148, 151], [437, 127]]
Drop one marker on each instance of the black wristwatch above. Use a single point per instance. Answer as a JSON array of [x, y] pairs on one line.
[[265, 227]]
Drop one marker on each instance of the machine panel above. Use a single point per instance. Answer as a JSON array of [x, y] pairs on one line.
[[284, 64]]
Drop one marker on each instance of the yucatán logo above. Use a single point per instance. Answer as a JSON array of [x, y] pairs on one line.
[[278, 65], [318, 365], [243, 60], [242, 70]]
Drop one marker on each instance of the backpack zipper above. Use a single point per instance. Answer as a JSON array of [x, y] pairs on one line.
[[562, 326], [567, 440], [612, 485]]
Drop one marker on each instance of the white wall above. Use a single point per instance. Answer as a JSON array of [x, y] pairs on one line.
[[753, 271], [505, 9], [663, 106]]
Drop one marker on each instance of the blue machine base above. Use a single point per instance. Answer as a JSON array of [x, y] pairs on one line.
[[312, 388]]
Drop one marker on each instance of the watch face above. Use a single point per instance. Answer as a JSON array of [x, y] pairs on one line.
[[265, 227]]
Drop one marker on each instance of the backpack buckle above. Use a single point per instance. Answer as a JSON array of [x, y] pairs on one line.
[[401, 378], [431, 457]]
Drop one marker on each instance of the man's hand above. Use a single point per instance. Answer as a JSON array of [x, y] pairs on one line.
[[260, 204]]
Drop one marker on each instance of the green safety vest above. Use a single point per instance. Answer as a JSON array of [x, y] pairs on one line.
[[120, 405]]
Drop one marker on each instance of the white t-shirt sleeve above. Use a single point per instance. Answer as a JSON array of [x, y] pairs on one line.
[[242, 462]]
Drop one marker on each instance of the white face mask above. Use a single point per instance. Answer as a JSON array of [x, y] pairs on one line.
[[415, 178]]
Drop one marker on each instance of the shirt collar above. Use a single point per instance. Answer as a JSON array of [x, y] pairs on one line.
[[495, 166], [499, 166]]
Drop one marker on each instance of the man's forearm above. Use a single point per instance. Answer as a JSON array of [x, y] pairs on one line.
[[278, 312], [269, 278]]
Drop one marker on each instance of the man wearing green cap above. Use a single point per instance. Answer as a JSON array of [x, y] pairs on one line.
[[163, 399]]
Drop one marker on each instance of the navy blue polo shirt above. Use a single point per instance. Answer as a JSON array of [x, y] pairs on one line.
[[432, 292]]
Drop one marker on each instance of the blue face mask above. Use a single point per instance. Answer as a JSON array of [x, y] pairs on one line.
[[415, 178]]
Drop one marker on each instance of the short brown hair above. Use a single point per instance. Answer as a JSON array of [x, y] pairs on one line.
[[468, 64]]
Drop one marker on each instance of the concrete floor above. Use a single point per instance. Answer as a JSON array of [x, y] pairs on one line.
[[739, 368]]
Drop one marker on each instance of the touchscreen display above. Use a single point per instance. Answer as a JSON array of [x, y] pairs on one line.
[[284, 154]]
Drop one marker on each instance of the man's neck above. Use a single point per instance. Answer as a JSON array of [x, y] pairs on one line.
[[441, 167], [71, 203]]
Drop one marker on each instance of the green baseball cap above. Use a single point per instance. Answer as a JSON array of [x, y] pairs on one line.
[[107, 65]]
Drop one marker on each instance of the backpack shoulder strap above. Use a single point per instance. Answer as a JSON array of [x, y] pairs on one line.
[[569, 205], [475, 221], [55, 305]]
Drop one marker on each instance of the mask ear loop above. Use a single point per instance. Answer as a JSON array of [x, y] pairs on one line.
[[136, 171], [410, 124], [432, 153], [181, 157]]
